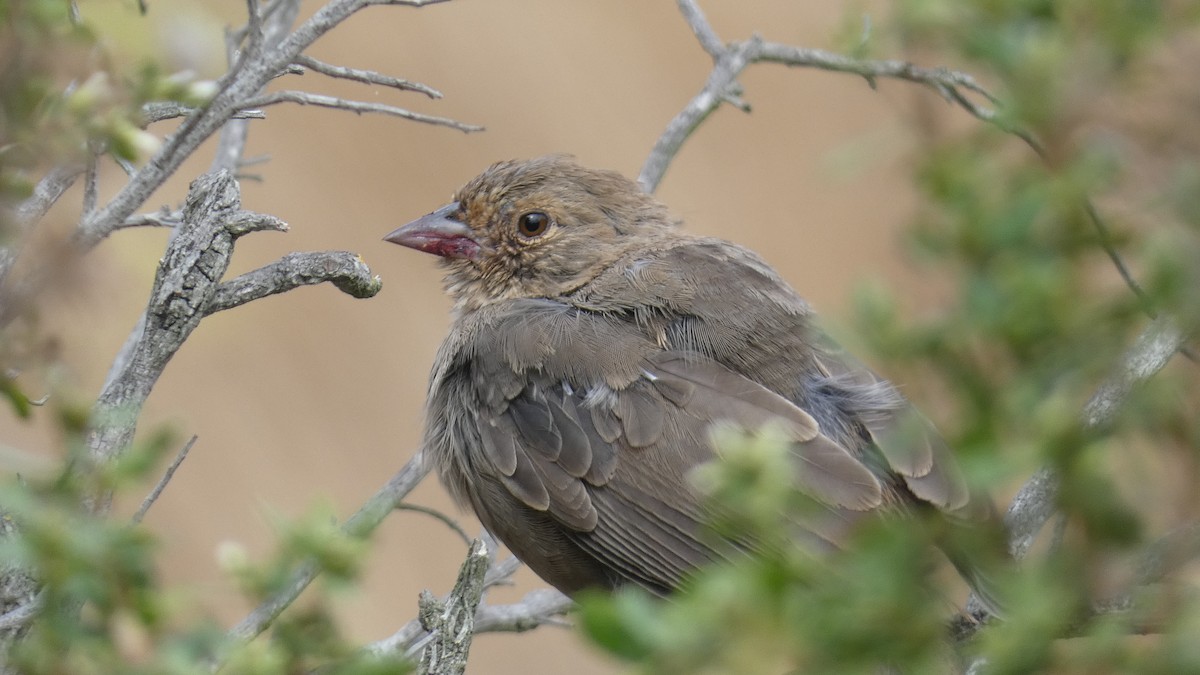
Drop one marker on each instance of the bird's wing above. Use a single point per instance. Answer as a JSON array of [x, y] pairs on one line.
[[905, 438], [608, 457]]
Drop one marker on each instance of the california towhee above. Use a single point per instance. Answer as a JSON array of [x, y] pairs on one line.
[[595, 344]]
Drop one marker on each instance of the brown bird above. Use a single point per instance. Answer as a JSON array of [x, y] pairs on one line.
[[594, 346]]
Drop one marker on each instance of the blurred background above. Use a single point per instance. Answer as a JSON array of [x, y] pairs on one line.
[[315, 397]]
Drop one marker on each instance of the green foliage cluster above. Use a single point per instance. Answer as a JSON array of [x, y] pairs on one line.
[[1033, 315], [60, 95]]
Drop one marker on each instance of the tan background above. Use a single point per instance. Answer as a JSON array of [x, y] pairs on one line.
[[315, 396]]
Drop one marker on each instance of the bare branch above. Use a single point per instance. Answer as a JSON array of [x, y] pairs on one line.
[[159, 111], [730, 61], [451, 623], [21, 614], [163, 218], [46, 192], [357, 107], [162, 482], [703, 31], [445, 519], [539, 607], [90, 177], [245, 81], [343, 269], [365, 76], [368, 517]]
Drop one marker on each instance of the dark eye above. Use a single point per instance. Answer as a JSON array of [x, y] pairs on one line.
[[533, 224]]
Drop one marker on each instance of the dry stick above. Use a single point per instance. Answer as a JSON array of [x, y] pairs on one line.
[[730, 60], [368, 517], [162, 482], [445, 520], [365, 76], [357, 107]]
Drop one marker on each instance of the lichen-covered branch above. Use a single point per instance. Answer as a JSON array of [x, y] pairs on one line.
[[451, 622], [187, 277], [345, 270], [539, 607]]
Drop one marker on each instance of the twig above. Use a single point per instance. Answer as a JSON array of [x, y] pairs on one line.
[[368, 517], [21, 614], [703, 31], [241, 84], [159, 111], [365, 76], [446, 520], [162, 218], [357, 107], [34, 208], [345, 270], [90, 177], [730, 60], [162, 482]]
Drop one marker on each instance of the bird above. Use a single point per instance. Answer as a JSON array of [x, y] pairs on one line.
[[595, 344]]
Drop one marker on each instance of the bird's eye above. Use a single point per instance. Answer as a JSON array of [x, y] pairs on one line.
[[533, 224]]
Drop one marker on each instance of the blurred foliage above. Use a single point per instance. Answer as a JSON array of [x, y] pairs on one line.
[[1031, 316], [105, 611], [60, 94]]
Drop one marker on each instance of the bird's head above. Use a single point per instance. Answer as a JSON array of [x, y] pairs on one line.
[[534, 229]]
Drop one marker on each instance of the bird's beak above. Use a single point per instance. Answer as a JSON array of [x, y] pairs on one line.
[[438, 233]]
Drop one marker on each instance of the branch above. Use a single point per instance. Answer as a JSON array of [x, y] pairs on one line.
[[163, 218], [243, 83], [160, 111], [357, 107], [368, 517], [703, 31], [539, 607], [365, 76], [162, 482], [196, 258], [34, 208], [343, 269], [1037, 500], [729, 62], [451, 623]]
